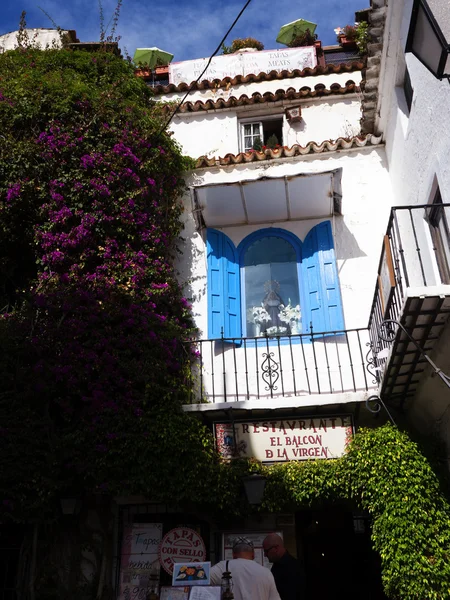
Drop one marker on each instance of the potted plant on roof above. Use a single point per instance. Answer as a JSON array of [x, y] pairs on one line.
[[306, 38], [346, 36], [243, 44]]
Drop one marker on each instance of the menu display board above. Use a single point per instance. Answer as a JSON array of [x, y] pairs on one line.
[[139, 563]]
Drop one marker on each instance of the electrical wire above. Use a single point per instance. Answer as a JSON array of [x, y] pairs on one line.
[[205, 69]]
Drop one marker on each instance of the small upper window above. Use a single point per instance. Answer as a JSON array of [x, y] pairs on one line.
[[267, 132], [252, 135]]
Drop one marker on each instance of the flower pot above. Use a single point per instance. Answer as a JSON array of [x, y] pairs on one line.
[[347, 43], [257, 329], [274, 152], [294, 327]]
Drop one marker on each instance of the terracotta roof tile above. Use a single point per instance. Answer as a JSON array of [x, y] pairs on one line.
[[240, 79], [256, 98], [284, 151]]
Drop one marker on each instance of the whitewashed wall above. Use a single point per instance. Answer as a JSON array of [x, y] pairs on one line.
[[217, 132], [44, 38], [417, 142], [366, 201]]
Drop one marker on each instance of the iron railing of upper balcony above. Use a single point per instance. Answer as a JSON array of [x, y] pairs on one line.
[[413, 256], [232, 369]]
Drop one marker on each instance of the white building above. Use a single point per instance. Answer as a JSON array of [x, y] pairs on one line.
[[295, 255], [41, 37]]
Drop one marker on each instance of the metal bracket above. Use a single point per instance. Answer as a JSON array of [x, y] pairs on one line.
[[376, 408]]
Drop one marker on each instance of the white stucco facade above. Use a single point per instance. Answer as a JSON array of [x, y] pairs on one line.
[[417, 140], [357, 232], [39, 37], [406, 168], [218, 132], [417, 151], [358, 228]]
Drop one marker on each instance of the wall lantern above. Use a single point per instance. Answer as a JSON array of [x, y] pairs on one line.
[[294, 114], [426, 40], [70, 505], [254, 485]]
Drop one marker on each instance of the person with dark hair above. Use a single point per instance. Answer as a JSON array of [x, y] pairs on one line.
[[287, 571], [251, 581]]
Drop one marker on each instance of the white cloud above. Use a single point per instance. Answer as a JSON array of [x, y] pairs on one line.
[[188, 28]]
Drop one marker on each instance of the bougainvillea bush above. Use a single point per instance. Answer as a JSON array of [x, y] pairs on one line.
[[92, 318]]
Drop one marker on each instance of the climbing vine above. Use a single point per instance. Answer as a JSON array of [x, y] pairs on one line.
[[385, 473], [93, 322]]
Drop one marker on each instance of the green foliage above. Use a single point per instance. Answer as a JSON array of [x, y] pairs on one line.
[[257, 144], [391, 478], [362, 36], [272, 141], [386, 474], [240, 43], [303, 39], [93, 322]]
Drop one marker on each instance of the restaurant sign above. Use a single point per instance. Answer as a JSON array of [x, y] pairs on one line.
[[181, 544], [243, 63], [283, 440]]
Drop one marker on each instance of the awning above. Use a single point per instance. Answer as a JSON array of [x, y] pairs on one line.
[[268, 199]]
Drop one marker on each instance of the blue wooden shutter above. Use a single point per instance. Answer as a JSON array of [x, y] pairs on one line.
[[224, 302], [320, 281]]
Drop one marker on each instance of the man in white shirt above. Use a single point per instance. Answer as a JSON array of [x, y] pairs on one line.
[[251, 581]]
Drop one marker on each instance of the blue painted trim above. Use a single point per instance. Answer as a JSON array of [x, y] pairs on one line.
[[320, 245], [223, 281], [267, 232]]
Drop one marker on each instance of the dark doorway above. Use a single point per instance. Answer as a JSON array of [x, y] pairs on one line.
[[11, 537], [338, 556]]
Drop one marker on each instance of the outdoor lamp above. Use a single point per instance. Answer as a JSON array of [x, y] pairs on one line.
[[254, 485], [427, 41], [69, 505]]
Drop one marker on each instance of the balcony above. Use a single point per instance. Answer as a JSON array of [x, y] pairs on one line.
[[413, 288], [297, 370]]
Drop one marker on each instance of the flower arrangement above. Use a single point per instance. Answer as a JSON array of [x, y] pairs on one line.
[[348, 32], [358, 33], [258, 315], [276, 330], [289, 313]]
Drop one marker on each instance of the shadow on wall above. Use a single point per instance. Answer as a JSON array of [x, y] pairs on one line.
[[346, 246], [191, 254]]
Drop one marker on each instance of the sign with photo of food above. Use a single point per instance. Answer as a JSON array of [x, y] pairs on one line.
[[191, 573]]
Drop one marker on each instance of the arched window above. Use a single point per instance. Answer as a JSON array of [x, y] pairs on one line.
[[274, 283]]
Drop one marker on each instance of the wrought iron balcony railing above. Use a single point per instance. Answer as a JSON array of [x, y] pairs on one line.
[[414, 262], [230, 370]]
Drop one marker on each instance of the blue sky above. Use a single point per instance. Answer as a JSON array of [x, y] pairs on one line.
[[186, 28]]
